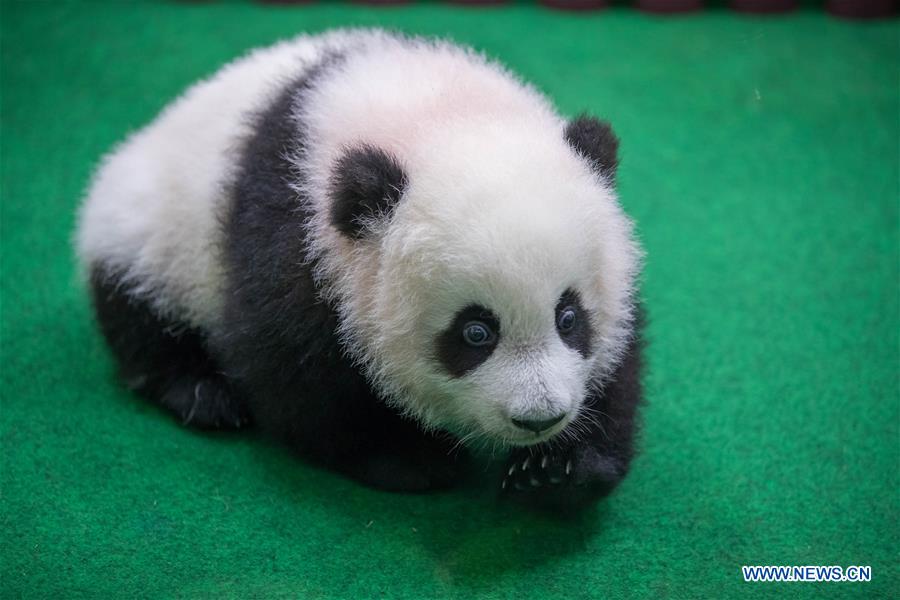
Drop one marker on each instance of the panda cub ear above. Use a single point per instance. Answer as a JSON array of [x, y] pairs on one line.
[[594, 139], [366, 184]]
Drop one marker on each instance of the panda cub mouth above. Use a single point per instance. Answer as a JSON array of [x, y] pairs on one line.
[[521, 437]]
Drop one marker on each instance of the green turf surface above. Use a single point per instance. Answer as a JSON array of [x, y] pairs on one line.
[[760, 160]]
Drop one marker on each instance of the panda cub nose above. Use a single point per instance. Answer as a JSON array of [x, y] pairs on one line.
[[538, 425]]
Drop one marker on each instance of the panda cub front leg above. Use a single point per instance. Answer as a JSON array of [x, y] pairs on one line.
[[425, 465]]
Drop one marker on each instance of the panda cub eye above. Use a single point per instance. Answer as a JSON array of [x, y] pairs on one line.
[[477, 334], [565, 322], [468, 340], [573, 322]]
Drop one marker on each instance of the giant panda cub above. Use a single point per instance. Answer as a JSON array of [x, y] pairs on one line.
[[383, 251]]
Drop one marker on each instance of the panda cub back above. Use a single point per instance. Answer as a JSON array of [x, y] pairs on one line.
[[377, 248]]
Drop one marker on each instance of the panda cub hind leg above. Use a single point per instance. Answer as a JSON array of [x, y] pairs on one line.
[[165, 361]]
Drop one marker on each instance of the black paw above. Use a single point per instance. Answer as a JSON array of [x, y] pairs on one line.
[[206, 403], [570, 477]]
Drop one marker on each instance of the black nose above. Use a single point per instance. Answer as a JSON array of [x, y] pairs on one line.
[[538, 425]]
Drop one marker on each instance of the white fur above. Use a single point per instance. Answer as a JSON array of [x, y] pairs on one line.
[[499, 211], [153, 209]]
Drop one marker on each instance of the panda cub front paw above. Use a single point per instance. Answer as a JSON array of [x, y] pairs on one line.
[[535, 471], [572, 476]]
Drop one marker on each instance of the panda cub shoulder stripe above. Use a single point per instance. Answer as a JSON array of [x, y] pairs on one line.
[[381, 250]]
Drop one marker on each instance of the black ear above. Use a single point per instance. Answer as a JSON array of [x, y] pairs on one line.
[[595, 140], [366, 184]]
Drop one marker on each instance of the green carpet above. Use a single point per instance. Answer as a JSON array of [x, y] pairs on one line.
[[760, 160]]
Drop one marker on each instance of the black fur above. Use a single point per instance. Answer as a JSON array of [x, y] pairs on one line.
[[366, 184], [163, 360], [579, 338], [280, 343], [601, 455], [453, 353], [594, 139]]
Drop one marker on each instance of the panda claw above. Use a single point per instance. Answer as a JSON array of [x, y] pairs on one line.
[[536, 472], [190, 416]]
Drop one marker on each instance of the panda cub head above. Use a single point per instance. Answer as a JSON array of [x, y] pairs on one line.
[[484, 279]]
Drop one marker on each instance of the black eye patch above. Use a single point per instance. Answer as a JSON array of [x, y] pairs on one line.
[[469, 340], [573, 323]]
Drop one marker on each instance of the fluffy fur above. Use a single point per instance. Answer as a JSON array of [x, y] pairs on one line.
[[320, 216]]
